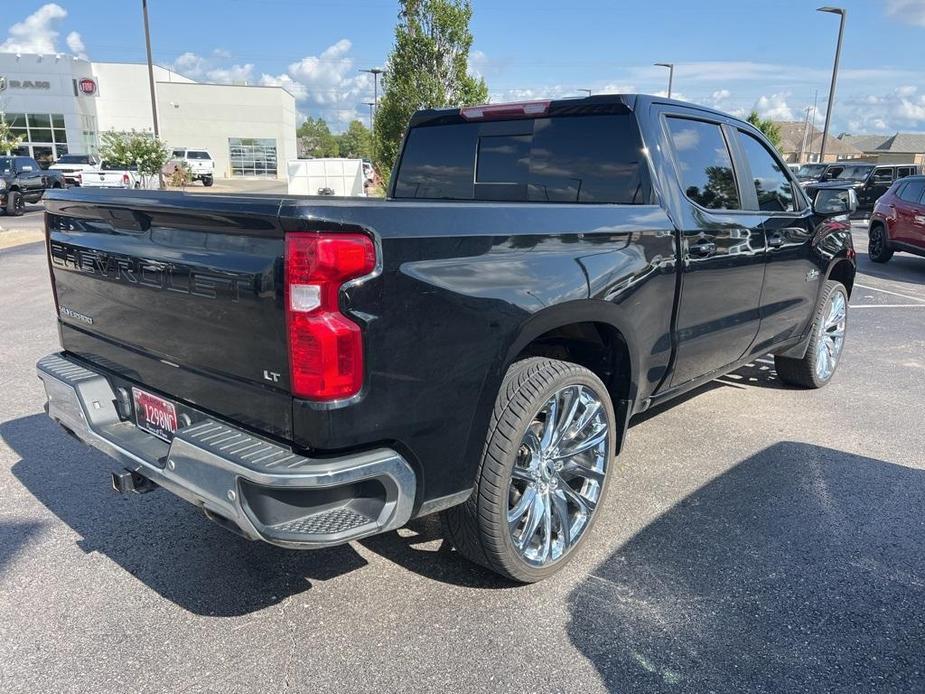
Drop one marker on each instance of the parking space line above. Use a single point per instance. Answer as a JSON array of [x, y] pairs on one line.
[[886, 306], [886, 291]]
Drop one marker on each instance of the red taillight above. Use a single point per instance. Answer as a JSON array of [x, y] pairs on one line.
[[125, 180], [325, 347], [519, 109]]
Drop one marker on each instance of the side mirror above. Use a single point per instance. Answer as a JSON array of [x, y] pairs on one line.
[[831, 202]]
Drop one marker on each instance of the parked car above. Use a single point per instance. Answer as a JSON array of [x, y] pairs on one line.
[[22, 180], [869, 181], [898, 220], [110, 175], [310, 371], [73, 166], [810, 173], [199, 162]]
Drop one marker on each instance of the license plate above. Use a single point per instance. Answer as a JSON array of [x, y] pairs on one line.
[[155, 415]]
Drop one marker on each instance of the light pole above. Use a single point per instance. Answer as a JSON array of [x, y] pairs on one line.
[[584, 90], [375, 72], [371, 104], [843, 13], [670, 67], [144, 10]]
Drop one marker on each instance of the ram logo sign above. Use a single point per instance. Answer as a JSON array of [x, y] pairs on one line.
[[23, 84]]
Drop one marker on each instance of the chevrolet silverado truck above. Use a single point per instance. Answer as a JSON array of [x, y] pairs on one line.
[[309, 371]]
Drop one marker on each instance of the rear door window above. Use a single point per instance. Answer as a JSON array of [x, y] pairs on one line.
[[585, 159], [704, 162], [904, 171], [775, 193]]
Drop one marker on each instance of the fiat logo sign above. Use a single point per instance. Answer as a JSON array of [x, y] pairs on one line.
[[87, 86]]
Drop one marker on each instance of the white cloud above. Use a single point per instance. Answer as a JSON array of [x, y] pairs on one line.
[[211, 69], [297, 89], [76, 45], [36, 33], [774, 107], [908, 11]]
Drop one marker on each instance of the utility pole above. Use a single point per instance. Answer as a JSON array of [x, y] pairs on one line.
[[843, 13], [670, 67], [807, 133], [144, 9], [375, 72]]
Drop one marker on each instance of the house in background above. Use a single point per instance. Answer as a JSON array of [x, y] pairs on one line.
[[801, 142], [900, 148]]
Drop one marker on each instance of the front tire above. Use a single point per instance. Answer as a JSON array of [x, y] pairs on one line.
[[15, 205], [878, 247], [817, 366], [545, 467]]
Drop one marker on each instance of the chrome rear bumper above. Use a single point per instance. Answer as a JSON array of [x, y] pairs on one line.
[[250, 484]]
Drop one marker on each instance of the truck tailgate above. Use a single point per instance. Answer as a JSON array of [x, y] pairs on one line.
[[186, 300]]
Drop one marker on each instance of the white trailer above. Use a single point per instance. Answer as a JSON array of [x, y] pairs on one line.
[[339, 177]]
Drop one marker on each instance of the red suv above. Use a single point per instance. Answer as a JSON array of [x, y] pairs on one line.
[[898, 220]]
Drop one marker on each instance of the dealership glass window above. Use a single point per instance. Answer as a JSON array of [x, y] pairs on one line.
[[252, 156], [44, 137]]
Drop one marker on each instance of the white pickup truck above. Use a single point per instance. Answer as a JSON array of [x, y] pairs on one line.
[[116, 176], [74, 166], [199, 162]]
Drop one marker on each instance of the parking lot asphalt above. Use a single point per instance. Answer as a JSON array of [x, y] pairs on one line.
[[757, 538]]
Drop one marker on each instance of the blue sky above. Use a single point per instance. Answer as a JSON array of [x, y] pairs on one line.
[[735, 55]]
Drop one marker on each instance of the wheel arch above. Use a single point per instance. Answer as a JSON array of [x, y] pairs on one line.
[[843, 270], [544, 332]]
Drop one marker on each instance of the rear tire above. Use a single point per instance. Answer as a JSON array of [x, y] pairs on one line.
[[528, 488], [816, 368], [207, 181], [878, 246]]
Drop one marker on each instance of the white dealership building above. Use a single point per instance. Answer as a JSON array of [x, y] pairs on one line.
[[61, 104]]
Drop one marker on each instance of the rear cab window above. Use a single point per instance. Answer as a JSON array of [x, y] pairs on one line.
[[194, 154], [580, 158]]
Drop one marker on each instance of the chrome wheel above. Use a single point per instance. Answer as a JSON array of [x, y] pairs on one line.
[[831, 335], [558, 476]]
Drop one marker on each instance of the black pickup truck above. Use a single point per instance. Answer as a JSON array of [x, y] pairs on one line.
[[22, 180], [312, 370]]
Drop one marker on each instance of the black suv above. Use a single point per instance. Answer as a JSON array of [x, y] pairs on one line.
[[869, 181], [22, 180]]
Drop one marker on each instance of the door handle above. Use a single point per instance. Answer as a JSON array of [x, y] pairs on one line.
[[702, 249]]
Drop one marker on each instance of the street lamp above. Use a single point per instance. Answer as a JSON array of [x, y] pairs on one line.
[[371, 105], [843, 13], [584, 90], [670, 67], [375, 72]]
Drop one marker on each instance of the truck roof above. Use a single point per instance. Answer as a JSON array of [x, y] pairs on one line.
[[588, 105]]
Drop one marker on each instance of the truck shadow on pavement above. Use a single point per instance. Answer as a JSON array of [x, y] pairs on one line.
[[161, 540], [800, 569]]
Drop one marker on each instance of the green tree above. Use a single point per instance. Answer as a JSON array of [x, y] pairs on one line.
[[356, 142], [134, 149], [8, 141], [766, 125], [426, 69], [315, 139]]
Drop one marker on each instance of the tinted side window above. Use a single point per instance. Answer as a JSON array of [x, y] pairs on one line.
[[904, 171], [775, 194], [913, 190], [883, 175], [593, 159], [706, 167]]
